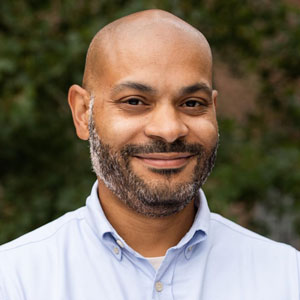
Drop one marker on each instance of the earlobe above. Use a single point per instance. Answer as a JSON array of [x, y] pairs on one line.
[[78, 99]]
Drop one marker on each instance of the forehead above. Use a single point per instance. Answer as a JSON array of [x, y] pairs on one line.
[[157, 53]]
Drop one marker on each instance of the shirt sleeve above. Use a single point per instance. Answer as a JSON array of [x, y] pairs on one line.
[[298, 262], [1, 288], [3, 295]]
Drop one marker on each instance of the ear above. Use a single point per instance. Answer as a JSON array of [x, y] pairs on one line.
[[79, 100], [214, 98]]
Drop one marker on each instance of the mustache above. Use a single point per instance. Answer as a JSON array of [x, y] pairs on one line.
[[159, 146]]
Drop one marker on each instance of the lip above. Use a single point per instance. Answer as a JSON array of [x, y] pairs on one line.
[[165, 160]]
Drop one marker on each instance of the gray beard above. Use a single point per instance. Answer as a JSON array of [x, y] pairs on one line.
[[153, 199]]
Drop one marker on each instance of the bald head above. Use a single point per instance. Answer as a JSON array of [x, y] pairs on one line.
[[150, 32]]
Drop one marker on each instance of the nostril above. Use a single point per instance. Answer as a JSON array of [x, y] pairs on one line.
[[167, 132]]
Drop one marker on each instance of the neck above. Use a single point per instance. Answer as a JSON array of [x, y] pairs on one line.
[[150, 237]]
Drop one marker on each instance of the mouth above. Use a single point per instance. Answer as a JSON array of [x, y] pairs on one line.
[[165, 160]]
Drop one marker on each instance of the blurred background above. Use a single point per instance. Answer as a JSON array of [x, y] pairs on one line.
[[45, 169]]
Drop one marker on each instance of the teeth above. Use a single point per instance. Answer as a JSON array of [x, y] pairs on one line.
[[174, 158], [164, 157]]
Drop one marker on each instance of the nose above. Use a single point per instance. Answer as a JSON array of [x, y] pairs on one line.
[[165, 123]]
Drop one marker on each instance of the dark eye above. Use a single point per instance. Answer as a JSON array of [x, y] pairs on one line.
[[134, 101], [192, 103]]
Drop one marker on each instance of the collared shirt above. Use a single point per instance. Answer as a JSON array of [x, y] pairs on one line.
[[81, 257]]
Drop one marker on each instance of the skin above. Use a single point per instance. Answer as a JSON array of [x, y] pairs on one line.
[[151, 76]]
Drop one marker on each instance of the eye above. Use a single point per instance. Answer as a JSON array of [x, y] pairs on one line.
[[134, 101], [134, 104], [192, 103]]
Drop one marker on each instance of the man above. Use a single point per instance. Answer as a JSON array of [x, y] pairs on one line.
[[149, 111]]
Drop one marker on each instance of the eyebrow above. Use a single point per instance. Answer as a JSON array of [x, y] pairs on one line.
[[196, 88], [141, 87]]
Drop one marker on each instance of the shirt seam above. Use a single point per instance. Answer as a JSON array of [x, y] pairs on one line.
[[262, 239], [43, 239]]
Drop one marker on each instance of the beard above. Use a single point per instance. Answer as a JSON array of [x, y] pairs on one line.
[[156, 198]]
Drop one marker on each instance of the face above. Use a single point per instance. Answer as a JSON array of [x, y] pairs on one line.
[[153, 129]]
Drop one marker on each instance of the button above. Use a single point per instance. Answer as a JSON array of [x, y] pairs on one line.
[[120, 243], [159, 286], [188, 252], [116, 250]]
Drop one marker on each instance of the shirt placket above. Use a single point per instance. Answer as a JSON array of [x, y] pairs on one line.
[[163, 280]]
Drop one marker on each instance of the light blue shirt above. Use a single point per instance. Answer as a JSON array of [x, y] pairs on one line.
[[81, 257]]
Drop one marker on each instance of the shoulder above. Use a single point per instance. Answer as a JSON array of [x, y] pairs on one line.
[[239, 238], [265, 258], [43, 234], [234, 230], [32, 257], [39, 251]]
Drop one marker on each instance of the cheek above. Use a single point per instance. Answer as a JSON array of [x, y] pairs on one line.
[[205, 132], [117, 131]]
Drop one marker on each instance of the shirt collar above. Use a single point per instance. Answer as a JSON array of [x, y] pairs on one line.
[[95, 215], [199, 230], [97, 220]]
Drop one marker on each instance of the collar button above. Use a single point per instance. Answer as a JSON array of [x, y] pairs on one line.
[[120, 243], [116, 250]]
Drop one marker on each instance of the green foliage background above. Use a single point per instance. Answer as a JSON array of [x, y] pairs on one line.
[[45, 170]]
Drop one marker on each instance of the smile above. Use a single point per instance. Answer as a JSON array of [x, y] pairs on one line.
[[165, 160]]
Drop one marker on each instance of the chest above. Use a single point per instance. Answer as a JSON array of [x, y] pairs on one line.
[[78, 275]]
